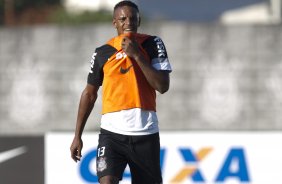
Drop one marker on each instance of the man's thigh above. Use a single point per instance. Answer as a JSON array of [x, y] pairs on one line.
[[145, 160], [111, 160]]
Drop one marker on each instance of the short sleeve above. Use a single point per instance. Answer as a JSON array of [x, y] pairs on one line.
[[95, 76], [156, 50], [97, 62]]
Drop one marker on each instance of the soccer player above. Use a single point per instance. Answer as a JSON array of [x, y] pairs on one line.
[[130, 67]]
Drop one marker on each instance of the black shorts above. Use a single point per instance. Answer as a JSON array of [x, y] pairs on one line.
[[141, 153]]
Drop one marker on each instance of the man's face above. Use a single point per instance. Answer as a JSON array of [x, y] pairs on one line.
[[126, 20]]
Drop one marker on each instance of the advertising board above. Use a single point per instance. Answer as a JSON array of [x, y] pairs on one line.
[[21, 159], [186, 157]]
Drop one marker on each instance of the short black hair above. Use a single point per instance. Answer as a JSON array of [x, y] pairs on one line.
[[126, 3]]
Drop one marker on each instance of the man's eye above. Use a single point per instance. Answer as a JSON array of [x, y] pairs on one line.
[[122, 19]]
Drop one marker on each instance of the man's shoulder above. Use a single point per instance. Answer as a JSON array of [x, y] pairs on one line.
[[105, 49], [104, 52], [152, 39], [144, 35]]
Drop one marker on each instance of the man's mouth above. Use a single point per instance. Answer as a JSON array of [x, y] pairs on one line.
[[128, 30]]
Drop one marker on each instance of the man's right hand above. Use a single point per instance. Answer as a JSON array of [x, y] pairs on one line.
[[76, 148]]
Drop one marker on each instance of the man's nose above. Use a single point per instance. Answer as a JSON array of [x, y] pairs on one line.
[[128, 21]]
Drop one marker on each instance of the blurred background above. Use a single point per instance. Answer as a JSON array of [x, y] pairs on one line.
[[226, 57]]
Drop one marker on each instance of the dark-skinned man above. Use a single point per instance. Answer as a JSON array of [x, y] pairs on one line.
[[130, 67]]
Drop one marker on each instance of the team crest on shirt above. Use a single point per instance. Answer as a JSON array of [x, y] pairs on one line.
[[101, 164], [120, 55]]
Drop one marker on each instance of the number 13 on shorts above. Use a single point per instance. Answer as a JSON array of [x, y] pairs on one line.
[[101, 151]]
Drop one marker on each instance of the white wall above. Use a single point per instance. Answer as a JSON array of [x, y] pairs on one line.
[[224, 77]]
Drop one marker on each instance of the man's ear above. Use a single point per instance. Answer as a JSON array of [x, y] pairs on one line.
[[139, 21], [114, 23]]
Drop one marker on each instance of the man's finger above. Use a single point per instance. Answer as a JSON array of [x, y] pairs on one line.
[[78, 158], [73, 155], [78, 153]]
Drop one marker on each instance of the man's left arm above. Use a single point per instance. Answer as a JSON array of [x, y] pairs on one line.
[[158, 79]]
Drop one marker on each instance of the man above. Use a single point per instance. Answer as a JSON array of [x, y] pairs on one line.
[[130, 68]]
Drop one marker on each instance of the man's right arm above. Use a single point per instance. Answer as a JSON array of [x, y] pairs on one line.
[[87, 101]]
